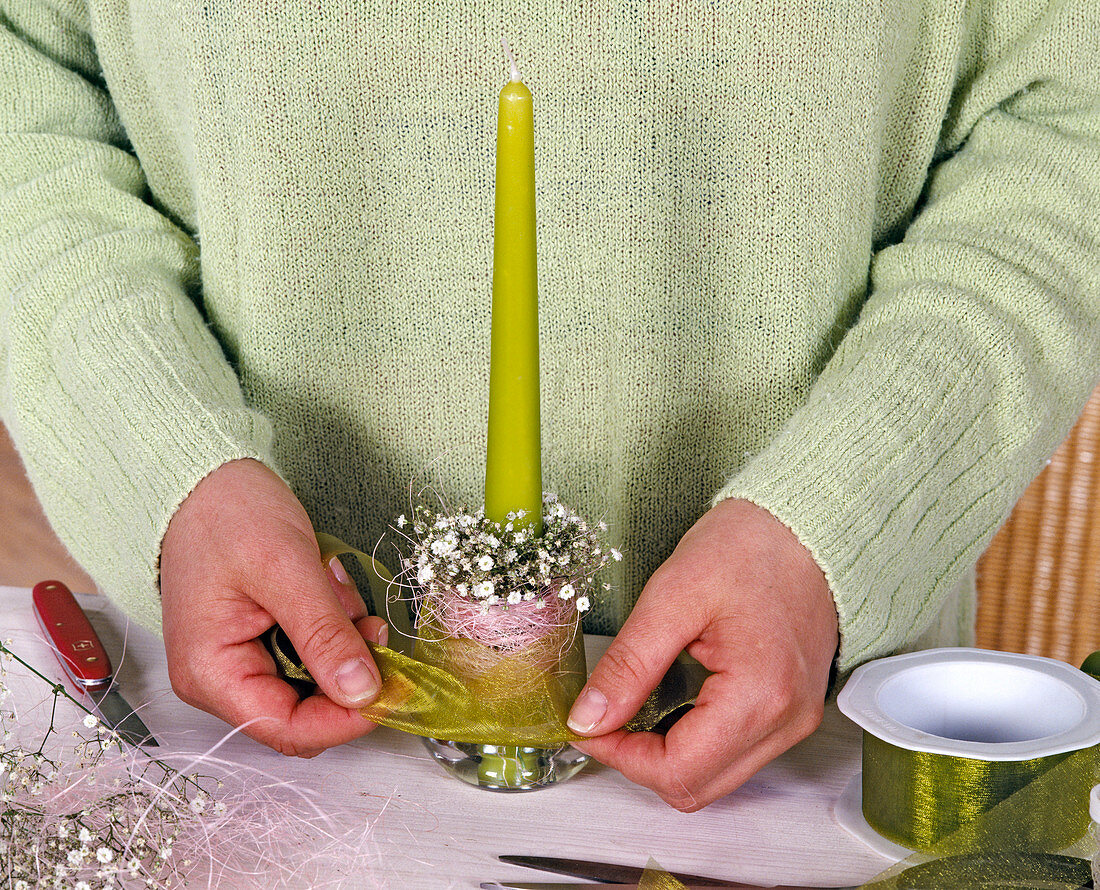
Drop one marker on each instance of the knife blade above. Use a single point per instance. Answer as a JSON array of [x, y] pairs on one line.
[[552, 885], [85, 660]]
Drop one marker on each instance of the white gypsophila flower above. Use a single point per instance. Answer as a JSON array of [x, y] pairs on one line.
[[104, 855], [567, 591], [402, 521], [464, 550], [82, 885], [583, 604], [541, 604], [76, 857], [515, 597], [616, 555], [85, 836], [198, 805], [91, 721]]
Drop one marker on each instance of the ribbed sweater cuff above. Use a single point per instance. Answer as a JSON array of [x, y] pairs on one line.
[[876, 475]]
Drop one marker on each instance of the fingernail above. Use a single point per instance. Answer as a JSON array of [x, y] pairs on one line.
[[338, 571], [383, 635], [588, 711], [357, 681]]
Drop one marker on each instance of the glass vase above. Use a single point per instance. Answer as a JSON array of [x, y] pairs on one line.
[[506, 767], [522, 678]]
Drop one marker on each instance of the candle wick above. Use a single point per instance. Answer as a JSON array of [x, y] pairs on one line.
[[515, 76]]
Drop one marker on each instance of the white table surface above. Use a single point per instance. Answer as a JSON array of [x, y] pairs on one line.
[[430, 830]]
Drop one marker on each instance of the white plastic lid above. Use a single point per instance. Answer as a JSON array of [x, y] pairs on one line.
[[975, 703], [1094, 803]]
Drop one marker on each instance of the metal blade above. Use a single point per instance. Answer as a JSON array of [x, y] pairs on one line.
[[118, 714], [603, 872], [537, 885], [542, 885]]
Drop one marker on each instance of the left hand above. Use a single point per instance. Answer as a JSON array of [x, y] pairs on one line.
[[239, 557], [745, 598]]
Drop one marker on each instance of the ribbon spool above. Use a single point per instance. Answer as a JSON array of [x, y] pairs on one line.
[[950, 735]]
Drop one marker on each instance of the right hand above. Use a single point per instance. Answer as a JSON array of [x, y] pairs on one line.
[[240, 556]]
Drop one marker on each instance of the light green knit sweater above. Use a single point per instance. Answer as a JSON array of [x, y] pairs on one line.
[[839, 257]]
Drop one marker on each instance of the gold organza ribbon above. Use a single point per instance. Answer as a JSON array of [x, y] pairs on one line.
[[920, 799], [1034, 837], [973, 871], [656, 878], [463, 691]]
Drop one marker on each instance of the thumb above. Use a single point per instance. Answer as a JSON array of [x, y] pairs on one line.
[[628, 672], [330, 646]]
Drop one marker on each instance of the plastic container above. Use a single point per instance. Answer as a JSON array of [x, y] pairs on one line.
[[1004, 709]]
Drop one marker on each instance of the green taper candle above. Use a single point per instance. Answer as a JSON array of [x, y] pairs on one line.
[[513, 461]]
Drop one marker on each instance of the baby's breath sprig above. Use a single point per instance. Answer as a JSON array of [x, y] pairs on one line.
[[83, 810], [86, 815], [497, 566]]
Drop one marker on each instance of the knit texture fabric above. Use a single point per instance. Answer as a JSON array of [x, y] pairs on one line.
[[840, 258]]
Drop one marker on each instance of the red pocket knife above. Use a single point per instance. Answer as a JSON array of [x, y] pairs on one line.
[[77, 647]]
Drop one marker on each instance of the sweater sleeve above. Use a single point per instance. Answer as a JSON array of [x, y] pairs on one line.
[[978, 344], [116, 394]]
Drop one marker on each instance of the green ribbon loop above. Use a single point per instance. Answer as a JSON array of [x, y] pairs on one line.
[[427, 700], [383, 596]]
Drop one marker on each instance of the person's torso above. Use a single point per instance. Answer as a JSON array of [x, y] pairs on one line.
[[712, 182]]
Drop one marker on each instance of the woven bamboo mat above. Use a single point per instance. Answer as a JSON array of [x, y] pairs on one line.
[[1039, 581]]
